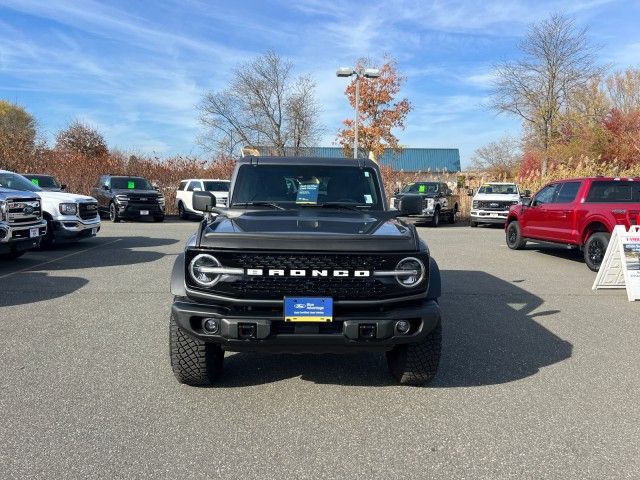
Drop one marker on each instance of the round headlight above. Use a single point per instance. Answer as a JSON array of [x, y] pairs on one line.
[[415, 272], [199, 266]]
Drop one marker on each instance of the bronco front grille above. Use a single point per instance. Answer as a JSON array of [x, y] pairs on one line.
[[277, 287], [23, 210]]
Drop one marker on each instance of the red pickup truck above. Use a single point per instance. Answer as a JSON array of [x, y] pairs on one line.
[[576, 212]]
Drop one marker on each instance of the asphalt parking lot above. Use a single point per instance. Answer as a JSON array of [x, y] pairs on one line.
[[539, 376]]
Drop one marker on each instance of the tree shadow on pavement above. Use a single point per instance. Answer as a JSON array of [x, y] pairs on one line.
[[31, 287], [490, 336]]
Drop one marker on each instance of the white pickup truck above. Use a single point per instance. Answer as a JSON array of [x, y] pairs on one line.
[[69, 217], [184, 194], [492, 202]]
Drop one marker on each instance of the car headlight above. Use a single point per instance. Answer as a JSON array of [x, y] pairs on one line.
[[475, 204], [161, 199], [122, 198], [515, 202], [429, 202], [68, 208], [3, 211], [203, 270], [415, 272]]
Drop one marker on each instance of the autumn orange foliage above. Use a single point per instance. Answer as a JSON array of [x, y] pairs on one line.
[[379, 114]]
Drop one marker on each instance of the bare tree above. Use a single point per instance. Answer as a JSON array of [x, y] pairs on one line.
[[81, 138], [262, 105], [624, 90], [499, 158], [557, 61]]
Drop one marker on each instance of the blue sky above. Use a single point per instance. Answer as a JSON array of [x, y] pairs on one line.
[[136, 70]]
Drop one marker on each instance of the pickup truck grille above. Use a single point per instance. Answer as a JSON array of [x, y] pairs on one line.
[[23, 210], [88, 211], [494, 205], [143, 199], [266, 287]]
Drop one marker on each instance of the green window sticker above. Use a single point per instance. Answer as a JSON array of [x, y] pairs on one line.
[[422, 188], [35, 181], [131, 185]]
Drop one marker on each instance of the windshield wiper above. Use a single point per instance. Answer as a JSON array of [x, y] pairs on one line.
[[344, 205], [258, 204]]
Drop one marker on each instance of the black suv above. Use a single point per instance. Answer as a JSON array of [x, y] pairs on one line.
[[306, 258], [128, 198]]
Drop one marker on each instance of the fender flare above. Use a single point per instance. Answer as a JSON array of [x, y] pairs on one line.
[[435, 286], [177, 277]]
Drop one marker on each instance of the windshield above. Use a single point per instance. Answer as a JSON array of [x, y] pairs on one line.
[[210, 186], [294, 186], [421, 187], [43, 181], [510, 189], [130, 183], [17, 182]]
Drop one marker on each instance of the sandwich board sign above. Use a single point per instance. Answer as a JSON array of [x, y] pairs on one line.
[[620, 267]]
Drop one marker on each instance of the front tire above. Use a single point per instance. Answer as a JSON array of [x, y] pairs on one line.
[[453, 215], [113, 213], [47, 240], [473, 224], [435, 221], [514, 238], [417, 363], [594, 250], [193, 361], [181, 211]]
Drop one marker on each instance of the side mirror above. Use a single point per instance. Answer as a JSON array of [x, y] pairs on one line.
[[470, 192], [203, 201], [526, 202], [63, 186], [106, 186], [155, 186], [527, 193]]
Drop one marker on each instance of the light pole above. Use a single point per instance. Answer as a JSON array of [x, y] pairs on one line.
[[358, 72]]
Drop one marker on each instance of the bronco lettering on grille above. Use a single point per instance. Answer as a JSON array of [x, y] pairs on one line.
[[276, 272]]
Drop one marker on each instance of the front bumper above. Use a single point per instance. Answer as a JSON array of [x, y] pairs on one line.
[[350, 330], [481, 216], [75, 229], [16, 238], [133, 211]]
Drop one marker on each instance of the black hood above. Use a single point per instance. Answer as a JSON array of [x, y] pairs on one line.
[[121, 191], [310, 229], [425, 195]]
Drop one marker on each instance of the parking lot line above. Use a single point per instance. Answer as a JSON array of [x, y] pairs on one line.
[[33, 267]]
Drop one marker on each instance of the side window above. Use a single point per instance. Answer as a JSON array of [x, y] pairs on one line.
[[604, 191], [183, 184], [194, 185], [545, 195], [567, 192]]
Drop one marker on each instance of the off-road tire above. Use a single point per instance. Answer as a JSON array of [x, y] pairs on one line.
[[416, 363], [181, 211], [435, 220], [113, 213], [473, 224], [453, 215], [594, 250], [193, 361], [513, 236]]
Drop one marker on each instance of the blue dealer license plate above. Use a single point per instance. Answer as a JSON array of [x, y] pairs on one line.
[[306, 309]]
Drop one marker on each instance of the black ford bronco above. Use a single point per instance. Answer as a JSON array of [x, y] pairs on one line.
[[306, 259]]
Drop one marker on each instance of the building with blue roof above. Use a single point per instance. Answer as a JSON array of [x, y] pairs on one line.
[[408, 160]]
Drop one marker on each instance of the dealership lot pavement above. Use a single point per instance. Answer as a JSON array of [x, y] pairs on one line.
[[539, 378]]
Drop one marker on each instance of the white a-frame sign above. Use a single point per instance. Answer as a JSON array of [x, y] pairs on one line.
[[621, 264]]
